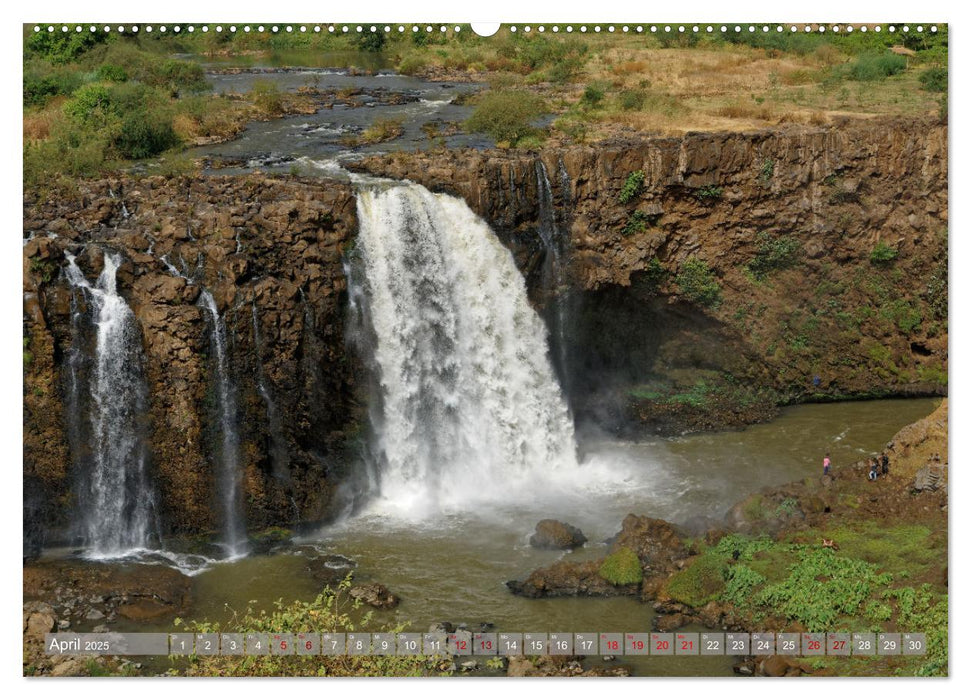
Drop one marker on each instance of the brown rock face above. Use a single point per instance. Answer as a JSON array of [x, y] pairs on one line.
[[270, 252], [552, 534], [827, 321]]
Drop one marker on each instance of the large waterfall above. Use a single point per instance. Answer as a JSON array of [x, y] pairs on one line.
[[229, 476], [468, 409], [110, 401]]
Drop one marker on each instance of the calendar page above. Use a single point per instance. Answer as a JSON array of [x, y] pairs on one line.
[[522, 349]]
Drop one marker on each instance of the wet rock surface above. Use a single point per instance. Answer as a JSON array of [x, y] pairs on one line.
[[374, 594], [553, 534]]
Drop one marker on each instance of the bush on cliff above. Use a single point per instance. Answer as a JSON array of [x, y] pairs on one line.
[[506, 115], [774, 253], [698, 284], [622, 568]]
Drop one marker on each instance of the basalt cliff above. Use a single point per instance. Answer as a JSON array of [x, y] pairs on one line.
[[699, 283]]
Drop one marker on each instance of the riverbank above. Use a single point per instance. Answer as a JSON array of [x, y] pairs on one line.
[[830, 553]]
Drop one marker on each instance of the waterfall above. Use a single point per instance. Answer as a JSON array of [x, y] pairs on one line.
[[555, 289], [468, 407], [228, 475], [117, 505]]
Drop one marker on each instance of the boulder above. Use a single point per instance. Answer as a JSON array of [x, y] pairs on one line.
[[374, 594], [553, 534]]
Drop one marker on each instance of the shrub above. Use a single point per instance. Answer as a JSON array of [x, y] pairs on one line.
[[39, 88], [506, 115], [91, 104], [63, 47], [774, 253], [709, 193], [144, 134], [698, 283], [622, 568], [412, 63], [766, 170], [267, 97], [111, 73], [631, 100], [883, 255], [632, 186], [178, 76], [370, 41], [934, 80], [637, 223], [592, 96], [870, 67], [700, 583]]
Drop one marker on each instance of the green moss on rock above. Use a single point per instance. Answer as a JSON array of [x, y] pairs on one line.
[[622, 568]]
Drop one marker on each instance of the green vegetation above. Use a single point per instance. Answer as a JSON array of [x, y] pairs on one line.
[[28, 355], [877, 66], [632, 186], [701, 582], [622, 568], [883, 255], [855, 588], [709, 193], [934, 79], [698, 283], [506, 115], [774, 253], [636, 223], [766, 171], [332, 610]]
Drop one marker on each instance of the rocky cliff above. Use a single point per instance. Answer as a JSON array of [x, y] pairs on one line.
[[694, 282], [270, 252], [713, 276]]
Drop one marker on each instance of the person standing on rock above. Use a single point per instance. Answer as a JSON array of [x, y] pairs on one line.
[[826, 465], [884, 464], [873, 469]]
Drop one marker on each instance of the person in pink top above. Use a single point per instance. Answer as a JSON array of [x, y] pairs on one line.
[[826, 464]]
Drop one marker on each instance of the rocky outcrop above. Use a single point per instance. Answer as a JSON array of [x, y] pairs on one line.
[[552, 534], [655, 542], [788, 222], [376, 595], [270, 252]]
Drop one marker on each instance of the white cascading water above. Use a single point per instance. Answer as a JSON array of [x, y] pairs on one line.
[[116, 501], [229, 476], [469, 409]]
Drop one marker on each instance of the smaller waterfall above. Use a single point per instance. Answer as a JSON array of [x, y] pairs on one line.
[[116, 502], [229, 474], [555, 287]]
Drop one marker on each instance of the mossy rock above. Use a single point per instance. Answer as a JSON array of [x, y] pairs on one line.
[[622, 568], [700, 583]]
